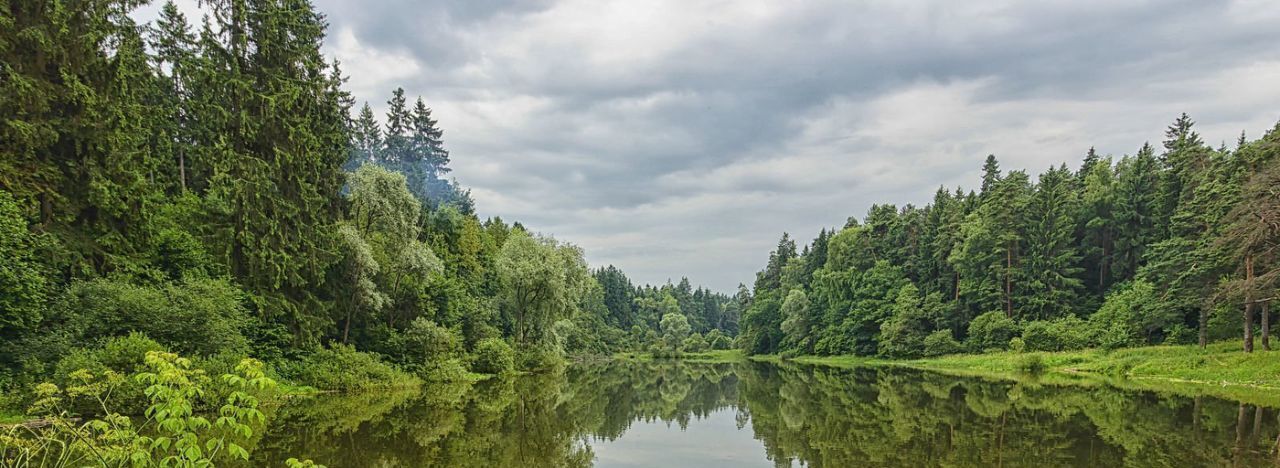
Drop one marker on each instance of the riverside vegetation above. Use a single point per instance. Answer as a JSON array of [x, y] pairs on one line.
[[207, 193], [196, 221]]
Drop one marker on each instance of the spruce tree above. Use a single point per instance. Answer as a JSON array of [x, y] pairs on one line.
[[1052, 263]]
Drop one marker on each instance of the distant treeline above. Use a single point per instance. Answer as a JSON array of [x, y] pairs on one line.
[[1171, 245]]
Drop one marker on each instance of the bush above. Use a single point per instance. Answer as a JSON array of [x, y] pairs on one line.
[[991, 330], [694, 343], [430, 350], [1032, 363], [493, 356], [118, 357], [1132, 316], [716, 339], [1066, 333], [1017, 345], [342, 368], [941, 343], [198, 317]]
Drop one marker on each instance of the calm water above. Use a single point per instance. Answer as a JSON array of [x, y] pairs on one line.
[[756, 414]]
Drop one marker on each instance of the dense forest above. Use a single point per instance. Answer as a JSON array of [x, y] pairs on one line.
[[1170, 245], [211, 191]]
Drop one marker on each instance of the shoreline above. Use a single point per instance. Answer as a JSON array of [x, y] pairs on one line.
[[1220, 370]]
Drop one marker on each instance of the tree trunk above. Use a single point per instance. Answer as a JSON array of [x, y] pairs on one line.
[[1266, 326], [346, 329], [1248, 304], [182, 171], [1008, 282], [1204, 326], [1248, 327]]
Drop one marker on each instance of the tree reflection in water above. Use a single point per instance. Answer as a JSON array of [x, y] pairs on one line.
[[818, 416]]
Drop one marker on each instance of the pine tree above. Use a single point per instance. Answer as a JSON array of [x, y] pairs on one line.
[[1051, 267], [366, 139], [174, 46], [278, 131], [990, 174], [1136, 211], [1097, 225]]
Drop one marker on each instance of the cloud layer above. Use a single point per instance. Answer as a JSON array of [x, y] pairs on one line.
[[680, 138]]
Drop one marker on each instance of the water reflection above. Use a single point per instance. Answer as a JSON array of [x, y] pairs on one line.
[[815, 416]]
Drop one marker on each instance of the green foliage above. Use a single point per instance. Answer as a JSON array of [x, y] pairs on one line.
[[342, 368], [695, 343], [537, 359], [1066, 333], [542, 282], [717, 340], [22, 286], [675, 328], [174, 433], [430, 350], [991, 330], [1132, 316], [493, 356], [195, 316], [120, 356], [941, 343], [1032, 363]]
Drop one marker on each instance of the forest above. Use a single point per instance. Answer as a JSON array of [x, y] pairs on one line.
[[197, 216], [210, 190], [1169, 245]]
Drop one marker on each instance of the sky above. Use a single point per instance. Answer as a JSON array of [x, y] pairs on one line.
[[681, 138]]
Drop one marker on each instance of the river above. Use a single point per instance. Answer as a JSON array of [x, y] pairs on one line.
[[676, 414]]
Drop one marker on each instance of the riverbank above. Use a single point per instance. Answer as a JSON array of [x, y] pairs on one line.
[[1220, 369]]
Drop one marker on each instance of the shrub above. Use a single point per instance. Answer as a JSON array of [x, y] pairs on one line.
[[174, 433], [430, 350], [342, 368], [1063, 334], [1017, 345], [991, 330], [1132, 316], [940, 343], [1032, 363], [118, 357], [716, 339], [493, 356], [695, 343], [199, 317]]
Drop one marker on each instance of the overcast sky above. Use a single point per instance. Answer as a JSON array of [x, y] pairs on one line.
[[681, 138]]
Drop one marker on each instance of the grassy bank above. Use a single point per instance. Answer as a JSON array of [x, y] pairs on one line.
[[1220, 370]]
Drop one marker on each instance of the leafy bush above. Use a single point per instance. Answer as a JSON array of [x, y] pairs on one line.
[[1132, 316], [430, 350], [991, 330], [716, 339], [118, 357], [1063, 334], [342, 368], [1032, 363], [199, 317], [941, 343], [174, 433], [493, 356], [1017, 345], [695, 343]]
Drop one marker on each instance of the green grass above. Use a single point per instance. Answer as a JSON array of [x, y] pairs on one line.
[[1220, 370], [8, 416]]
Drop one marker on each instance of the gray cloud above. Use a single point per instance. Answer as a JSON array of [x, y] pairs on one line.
[[680, 138]]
